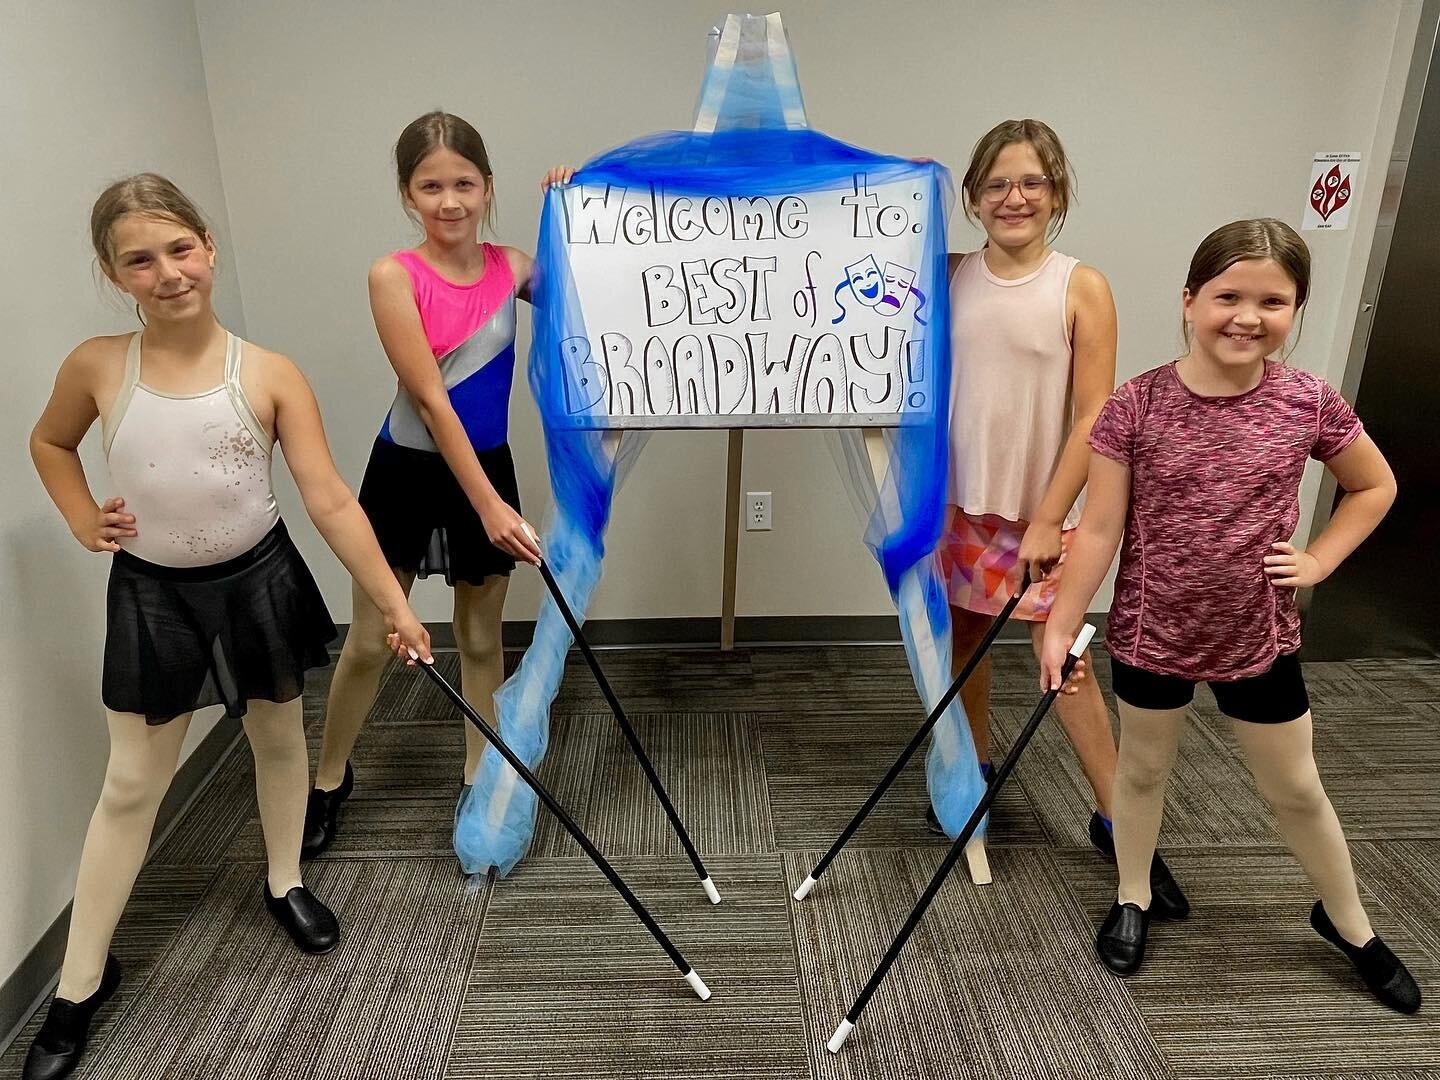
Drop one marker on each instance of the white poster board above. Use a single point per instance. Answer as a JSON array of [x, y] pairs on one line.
[[802, 308]]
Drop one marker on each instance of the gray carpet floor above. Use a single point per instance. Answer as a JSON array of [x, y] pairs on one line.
[[766, 753]]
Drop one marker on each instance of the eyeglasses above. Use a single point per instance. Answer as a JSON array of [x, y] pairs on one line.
[[1031, 188]]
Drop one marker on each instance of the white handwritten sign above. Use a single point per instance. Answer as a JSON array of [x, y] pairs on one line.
[[738, 310]]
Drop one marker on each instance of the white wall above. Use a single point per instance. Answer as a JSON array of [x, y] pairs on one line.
[[88, 93], [1179, 117]]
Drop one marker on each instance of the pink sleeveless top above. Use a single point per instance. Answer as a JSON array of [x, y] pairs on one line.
[[471, 331], [1011, 393]]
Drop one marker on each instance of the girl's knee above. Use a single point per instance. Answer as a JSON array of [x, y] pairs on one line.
[[477, 640], [365, 647], [477, 622], [1142, 781], [131, 792], [1146, 757], [968, 627], [275, 730], [1299, 794]]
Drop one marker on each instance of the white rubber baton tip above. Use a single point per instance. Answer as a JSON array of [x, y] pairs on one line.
[[1082, 640], [697, 984], [710, 890], [804, 889], [841, 1034]]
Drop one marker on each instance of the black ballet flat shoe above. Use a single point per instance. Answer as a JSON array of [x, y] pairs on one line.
[[1121, 941], [61, 1040], [1167, 899], [1380, 969], [1100, 837], [987, 773], [310, 924], [932, 822], [322, 813]]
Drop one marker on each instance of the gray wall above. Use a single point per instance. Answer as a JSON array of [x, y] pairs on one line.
[[1179, 117], [88, 93]]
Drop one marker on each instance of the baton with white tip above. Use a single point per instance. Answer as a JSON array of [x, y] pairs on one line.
[[626, 729], [1082, 641], [919, 737], [552, 804]]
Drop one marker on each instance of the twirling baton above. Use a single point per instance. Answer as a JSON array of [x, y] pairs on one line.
[[848, 1024], [552, 804], [909, 751], [630, 736]]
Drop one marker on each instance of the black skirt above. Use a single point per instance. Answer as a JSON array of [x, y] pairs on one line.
[[181, 638], [423, 520]]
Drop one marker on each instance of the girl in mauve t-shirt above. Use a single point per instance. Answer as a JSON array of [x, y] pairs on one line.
[[1032, 342], [1198, 465]]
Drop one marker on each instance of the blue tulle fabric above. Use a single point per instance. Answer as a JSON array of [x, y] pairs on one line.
[[587, 459]]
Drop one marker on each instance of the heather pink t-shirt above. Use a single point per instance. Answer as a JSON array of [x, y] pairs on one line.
[[1214, 481]]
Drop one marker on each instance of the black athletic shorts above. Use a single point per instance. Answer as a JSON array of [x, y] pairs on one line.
[[1276, 696]]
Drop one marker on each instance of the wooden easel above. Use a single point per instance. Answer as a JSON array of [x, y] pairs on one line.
[[726, 45]]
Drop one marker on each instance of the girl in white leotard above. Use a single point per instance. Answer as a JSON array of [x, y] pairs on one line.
[[209, 602]]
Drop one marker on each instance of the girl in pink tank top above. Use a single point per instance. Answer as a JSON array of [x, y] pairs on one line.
[[440, 487], [1032, 362]]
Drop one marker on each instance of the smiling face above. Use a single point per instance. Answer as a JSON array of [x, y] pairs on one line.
[[1015, 221], [866, 281], [163, 265], [1242, 315], [450, 194], [899, 281]]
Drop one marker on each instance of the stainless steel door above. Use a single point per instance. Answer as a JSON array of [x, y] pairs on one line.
[[1385, 599]]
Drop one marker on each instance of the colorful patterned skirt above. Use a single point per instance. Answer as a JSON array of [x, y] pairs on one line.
[[980, 558]]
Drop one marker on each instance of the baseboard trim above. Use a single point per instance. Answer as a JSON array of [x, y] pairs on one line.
[[751, 631], [30, 984]]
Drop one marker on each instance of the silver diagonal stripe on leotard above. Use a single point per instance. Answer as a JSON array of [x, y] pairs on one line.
[[480, 348]]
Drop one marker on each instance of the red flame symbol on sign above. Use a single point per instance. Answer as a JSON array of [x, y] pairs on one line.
[[1330, 193], [1342, 195]]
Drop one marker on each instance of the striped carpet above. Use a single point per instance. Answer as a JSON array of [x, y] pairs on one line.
[[766, 752]]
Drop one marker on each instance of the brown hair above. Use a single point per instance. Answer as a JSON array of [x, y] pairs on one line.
[[144, 193], [1252, 238], [436, 130], [1046, 144]]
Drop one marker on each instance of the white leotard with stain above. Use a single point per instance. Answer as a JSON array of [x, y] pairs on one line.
[[194, 469]]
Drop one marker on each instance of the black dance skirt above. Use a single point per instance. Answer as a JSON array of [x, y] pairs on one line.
[[422, 518], [181, 638]]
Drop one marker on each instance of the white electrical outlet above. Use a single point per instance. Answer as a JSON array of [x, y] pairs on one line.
[[757, 511]]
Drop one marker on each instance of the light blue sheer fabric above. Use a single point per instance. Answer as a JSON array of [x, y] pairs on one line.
[[753, 142]]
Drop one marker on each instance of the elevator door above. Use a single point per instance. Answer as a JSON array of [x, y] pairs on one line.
[[1385, 599]]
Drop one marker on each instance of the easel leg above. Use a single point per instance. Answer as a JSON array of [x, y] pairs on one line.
[[978, 862], [732, 537]]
